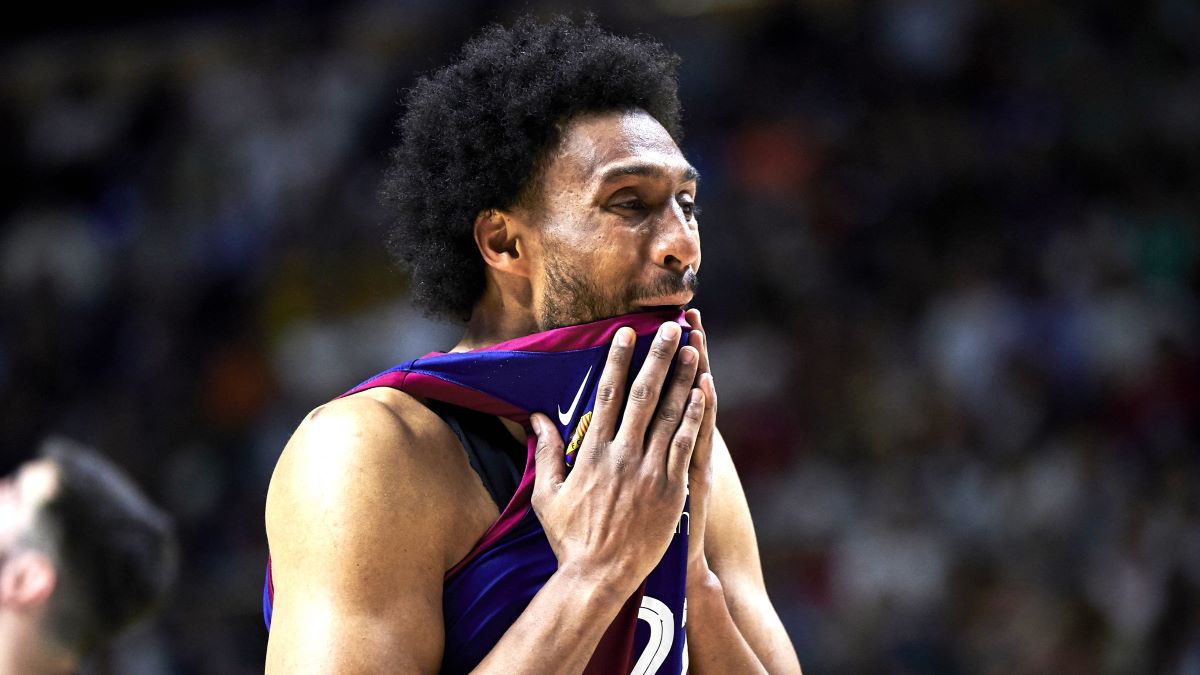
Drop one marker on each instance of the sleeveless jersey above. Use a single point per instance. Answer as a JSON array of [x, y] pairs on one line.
[[555, 372]]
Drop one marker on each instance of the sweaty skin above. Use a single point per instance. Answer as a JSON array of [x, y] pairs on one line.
[[611, 230]]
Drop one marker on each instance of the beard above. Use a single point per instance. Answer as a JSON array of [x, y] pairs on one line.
[[573, 298]]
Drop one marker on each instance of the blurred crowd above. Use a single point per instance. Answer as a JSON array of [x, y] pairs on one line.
[[950, 279]]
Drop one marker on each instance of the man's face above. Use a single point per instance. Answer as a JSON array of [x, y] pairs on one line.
[[616, 222], [21, 495]]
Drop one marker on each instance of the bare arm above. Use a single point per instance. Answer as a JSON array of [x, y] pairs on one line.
[[346, 521], [732, 626], [732, 552], [359, 590]]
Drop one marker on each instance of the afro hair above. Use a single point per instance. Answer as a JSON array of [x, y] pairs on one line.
[[473, 135]]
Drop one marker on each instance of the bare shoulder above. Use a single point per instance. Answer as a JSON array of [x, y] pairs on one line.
[[369, 440], [363, 470], [382, 427], [371, 501]]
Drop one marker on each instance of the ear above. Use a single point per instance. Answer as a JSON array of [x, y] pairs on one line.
[[499, 235], [27, 580]]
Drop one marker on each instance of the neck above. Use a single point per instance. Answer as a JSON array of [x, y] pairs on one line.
[[494, 320], [23, 650]]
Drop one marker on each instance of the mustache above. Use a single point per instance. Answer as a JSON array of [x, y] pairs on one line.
[[669, 284]]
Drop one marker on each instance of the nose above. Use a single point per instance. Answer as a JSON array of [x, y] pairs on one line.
[[676, 244]]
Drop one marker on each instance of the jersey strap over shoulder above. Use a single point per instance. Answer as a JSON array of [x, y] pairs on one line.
[[555, 372]]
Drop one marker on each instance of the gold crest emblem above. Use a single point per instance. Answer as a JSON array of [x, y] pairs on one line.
[[577, 437]]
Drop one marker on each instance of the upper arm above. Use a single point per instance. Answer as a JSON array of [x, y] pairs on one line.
[[357, 554], [732, 551]]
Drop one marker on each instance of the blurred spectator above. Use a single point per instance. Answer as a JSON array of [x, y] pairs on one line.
[[83, 554]]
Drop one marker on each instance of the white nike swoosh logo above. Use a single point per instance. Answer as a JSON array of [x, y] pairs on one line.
[[564, 418]]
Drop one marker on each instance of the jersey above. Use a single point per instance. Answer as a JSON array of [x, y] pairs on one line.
[[555, 372]]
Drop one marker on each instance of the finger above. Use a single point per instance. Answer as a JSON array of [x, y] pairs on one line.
[[551, 467], [670, 408], [700, 339], [683, 443], [643, 395], [699, 342], [704, 335], [611, 390], [708, 426]]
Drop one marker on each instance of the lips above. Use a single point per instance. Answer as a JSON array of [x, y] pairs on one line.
[[677, 300]]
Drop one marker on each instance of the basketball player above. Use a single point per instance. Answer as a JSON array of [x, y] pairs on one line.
[[435, 518], [83, 554]]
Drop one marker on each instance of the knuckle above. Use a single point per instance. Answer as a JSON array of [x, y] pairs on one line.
[[607, 393], [694, 412], [641, 392], [683, 443], [662, 349], [668, 414]]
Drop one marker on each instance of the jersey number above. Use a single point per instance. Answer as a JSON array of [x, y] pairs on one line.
[[661, 620]]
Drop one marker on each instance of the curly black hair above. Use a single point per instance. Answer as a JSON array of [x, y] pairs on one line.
[[475, 132]]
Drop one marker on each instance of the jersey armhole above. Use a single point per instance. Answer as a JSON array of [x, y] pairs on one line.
[[495, 456]]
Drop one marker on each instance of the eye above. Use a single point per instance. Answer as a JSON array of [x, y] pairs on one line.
[[690, 209], [630, 204]]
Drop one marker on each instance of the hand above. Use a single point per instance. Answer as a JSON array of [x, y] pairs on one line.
[[611, 519], [700, 473]]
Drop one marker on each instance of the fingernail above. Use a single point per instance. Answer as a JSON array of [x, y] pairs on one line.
[[687, 356], [668, 330], [623, 337], [536, 424]]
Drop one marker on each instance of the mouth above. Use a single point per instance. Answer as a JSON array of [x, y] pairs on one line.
[[651, 309], [677, 301]]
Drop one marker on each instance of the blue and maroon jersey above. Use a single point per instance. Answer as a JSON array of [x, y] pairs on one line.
[[555, 372]]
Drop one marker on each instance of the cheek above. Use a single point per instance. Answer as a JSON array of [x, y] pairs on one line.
[[619, 257], [583, 248]]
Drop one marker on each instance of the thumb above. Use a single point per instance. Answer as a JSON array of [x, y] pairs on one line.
[[551, 466]]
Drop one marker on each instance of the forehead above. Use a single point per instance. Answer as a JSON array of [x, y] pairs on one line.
[[594, 144]]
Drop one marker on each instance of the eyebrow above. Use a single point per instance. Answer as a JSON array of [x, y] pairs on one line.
[[688, 175]]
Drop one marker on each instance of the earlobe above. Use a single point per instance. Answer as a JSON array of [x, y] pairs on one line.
[[498, 238], [27, 579]]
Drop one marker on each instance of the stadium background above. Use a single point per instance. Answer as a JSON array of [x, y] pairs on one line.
[[950, 277]]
